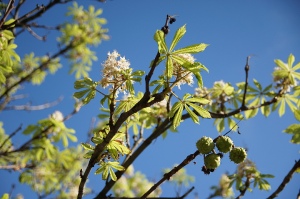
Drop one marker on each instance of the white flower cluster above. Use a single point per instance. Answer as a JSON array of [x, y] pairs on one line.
[[57, 115], [113, 72], [181, 74]]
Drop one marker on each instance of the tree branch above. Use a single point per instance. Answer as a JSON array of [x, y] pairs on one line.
[[10, 7], [28, 107], [286, 180], [143, 103], [168, 175], [43, 66]]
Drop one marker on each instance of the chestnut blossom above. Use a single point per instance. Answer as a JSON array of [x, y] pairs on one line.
[[184, 76], [113, 72], [58, 116]]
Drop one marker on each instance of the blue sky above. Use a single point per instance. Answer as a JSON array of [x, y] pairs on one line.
[[267, 30]]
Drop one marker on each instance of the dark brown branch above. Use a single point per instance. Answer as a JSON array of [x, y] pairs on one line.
[[132, 157], [143, 103], [247, 68], [10, 7], [286, 180], [168, 175]]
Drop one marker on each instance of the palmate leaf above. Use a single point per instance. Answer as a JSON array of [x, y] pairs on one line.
[[287, 69], [295, 130]]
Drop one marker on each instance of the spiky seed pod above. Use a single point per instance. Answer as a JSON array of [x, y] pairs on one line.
[[238, 155], [224, 144], [205, 145], [212, 161]]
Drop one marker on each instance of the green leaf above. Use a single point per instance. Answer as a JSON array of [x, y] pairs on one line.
[[257, 84], [80, 94], [281, 109], [297, 114], [112, 174], [199, 79], [199, 100], [178, 35], [116, 165], [159, 37], [200, 110], [281, 64], [169, 68], [97, 140], [87, 146], [5, 196], [100, 170], [177, 117], [196, 48], [175, 107], [295, 130], [192, 114], [88, 155]]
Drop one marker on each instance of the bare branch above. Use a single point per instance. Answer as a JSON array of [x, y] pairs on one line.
[[181, 197], [168, 175], [10, 7], [286, 180], [11, 135], [29, 107], [43, 66]]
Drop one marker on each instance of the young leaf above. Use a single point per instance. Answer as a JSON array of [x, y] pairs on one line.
[[159, 37], [178, 35], [87, 146], [177, 117], [169, 68], [200, 110], [112, 174], [192, 114], [192, 49]]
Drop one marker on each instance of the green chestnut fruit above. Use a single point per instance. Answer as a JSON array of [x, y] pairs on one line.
[[212, 161], [224, 144], [205, 145], [238, 155]]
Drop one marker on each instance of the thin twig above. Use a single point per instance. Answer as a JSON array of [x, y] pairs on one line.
[[10, 7], [243, 191], [43, 66], [34, 108], [286, 180], [168, 175], [11, 135], [247, 68], [25, 146]]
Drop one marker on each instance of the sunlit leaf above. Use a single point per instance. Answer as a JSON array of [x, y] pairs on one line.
[[177, 117], [192, 49], [178, 35], [87, 146], [192, 114]]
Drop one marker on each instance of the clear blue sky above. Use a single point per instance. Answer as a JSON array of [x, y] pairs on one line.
[[234, 29]]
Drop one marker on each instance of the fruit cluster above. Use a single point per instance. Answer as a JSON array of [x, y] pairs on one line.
[[224, 144]]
